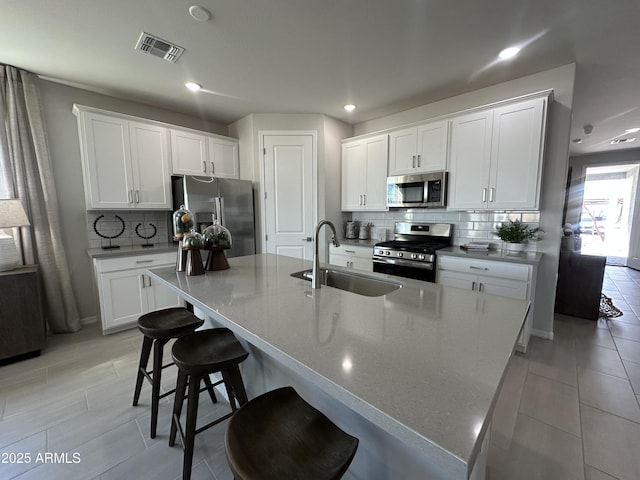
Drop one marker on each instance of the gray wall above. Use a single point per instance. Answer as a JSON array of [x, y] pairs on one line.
[[62, 132], [556, 162]]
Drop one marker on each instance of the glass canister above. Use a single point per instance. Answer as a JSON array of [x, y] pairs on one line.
[[183, 222], [216, 239], [193, 242], [216, 236]]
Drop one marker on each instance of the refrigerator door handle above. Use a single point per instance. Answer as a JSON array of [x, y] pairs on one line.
[[219, 209]]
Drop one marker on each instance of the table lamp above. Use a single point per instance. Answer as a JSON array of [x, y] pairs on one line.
[[11, 215]]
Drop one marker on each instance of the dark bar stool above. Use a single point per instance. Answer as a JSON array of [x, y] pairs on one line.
[[198, 355], [278, 435], [158, 328]]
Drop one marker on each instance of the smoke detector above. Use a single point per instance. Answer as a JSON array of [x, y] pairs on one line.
[[158, 47]]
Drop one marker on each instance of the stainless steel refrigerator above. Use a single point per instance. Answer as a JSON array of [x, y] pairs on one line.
[[229, 201]]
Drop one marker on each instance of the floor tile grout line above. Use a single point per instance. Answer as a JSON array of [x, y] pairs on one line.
[[555, 427]]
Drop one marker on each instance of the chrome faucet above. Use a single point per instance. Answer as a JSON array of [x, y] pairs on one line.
[[315, 280]]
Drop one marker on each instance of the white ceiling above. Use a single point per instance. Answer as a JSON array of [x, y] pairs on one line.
[[315, 56]]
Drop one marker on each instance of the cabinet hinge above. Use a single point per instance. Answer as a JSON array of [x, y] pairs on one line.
[[265, 195], [264, 151], [266, 238]]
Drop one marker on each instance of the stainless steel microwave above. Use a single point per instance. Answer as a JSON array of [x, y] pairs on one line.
[[427, 190]]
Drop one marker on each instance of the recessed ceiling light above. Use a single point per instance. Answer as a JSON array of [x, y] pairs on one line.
[[632, 130], [350, 107], [194, 87], [508, 53]]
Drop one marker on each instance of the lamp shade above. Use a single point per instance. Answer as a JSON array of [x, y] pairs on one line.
[[12, 214]]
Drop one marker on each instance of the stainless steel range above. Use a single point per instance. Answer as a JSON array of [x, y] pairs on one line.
[[412, 253]]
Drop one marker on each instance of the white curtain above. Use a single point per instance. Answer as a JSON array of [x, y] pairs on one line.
[[27, 174]]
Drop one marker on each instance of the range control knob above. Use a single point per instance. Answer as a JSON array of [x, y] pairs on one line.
[[421, 257], [414, 256], [387, 252], [400, 254]]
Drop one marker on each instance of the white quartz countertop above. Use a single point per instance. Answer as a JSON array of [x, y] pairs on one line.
[[528, 258], [424, 362]]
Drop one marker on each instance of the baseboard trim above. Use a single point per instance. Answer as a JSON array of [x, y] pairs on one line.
[[88, 320], [542, 334]]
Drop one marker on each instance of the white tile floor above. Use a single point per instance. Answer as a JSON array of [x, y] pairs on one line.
[[568, 408]]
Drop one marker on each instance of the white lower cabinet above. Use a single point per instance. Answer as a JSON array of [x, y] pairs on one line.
[[505, 279], [126, 292], [352, 256]]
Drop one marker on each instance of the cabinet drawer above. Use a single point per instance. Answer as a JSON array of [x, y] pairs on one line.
[[134, 261], [490, 268], [352, 251]]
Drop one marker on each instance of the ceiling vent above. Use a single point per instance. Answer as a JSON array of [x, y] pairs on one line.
[[158, 47], [622, 140]]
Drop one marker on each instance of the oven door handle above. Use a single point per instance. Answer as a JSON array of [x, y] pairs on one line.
[[404, 263]]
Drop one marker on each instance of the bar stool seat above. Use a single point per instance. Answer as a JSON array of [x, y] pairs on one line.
[[168, 323], [197, 355], [278, 435], [158, 328]]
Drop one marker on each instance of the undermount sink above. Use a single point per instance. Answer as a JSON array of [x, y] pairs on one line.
[[351, 282]]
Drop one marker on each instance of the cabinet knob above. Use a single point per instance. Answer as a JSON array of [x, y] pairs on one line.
[[413, 164], [419, 163], [204, 167], [307, 239]]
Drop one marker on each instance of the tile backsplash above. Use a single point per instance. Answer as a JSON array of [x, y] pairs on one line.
[[136, 225], [468, 226]]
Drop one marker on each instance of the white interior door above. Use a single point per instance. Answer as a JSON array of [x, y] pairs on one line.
[[289, 182]]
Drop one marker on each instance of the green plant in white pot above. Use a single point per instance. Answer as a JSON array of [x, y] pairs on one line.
[[516, 233]]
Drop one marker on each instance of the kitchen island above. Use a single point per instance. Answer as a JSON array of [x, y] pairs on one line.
[[414, 374]]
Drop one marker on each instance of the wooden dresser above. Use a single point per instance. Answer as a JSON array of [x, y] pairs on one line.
[[580, 284], [22, 325]]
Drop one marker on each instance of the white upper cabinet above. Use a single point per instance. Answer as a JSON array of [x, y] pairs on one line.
[[469, 160], [364, 174], [196, 153], [188, 153], [419, 149], [223, 158], [150, 166], [125, 163], [496, 157]]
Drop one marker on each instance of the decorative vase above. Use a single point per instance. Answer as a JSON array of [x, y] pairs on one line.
[[515, 247]]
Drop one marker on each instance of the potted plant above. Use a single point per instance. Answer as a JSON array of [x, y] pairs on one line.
[[516, 234]]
